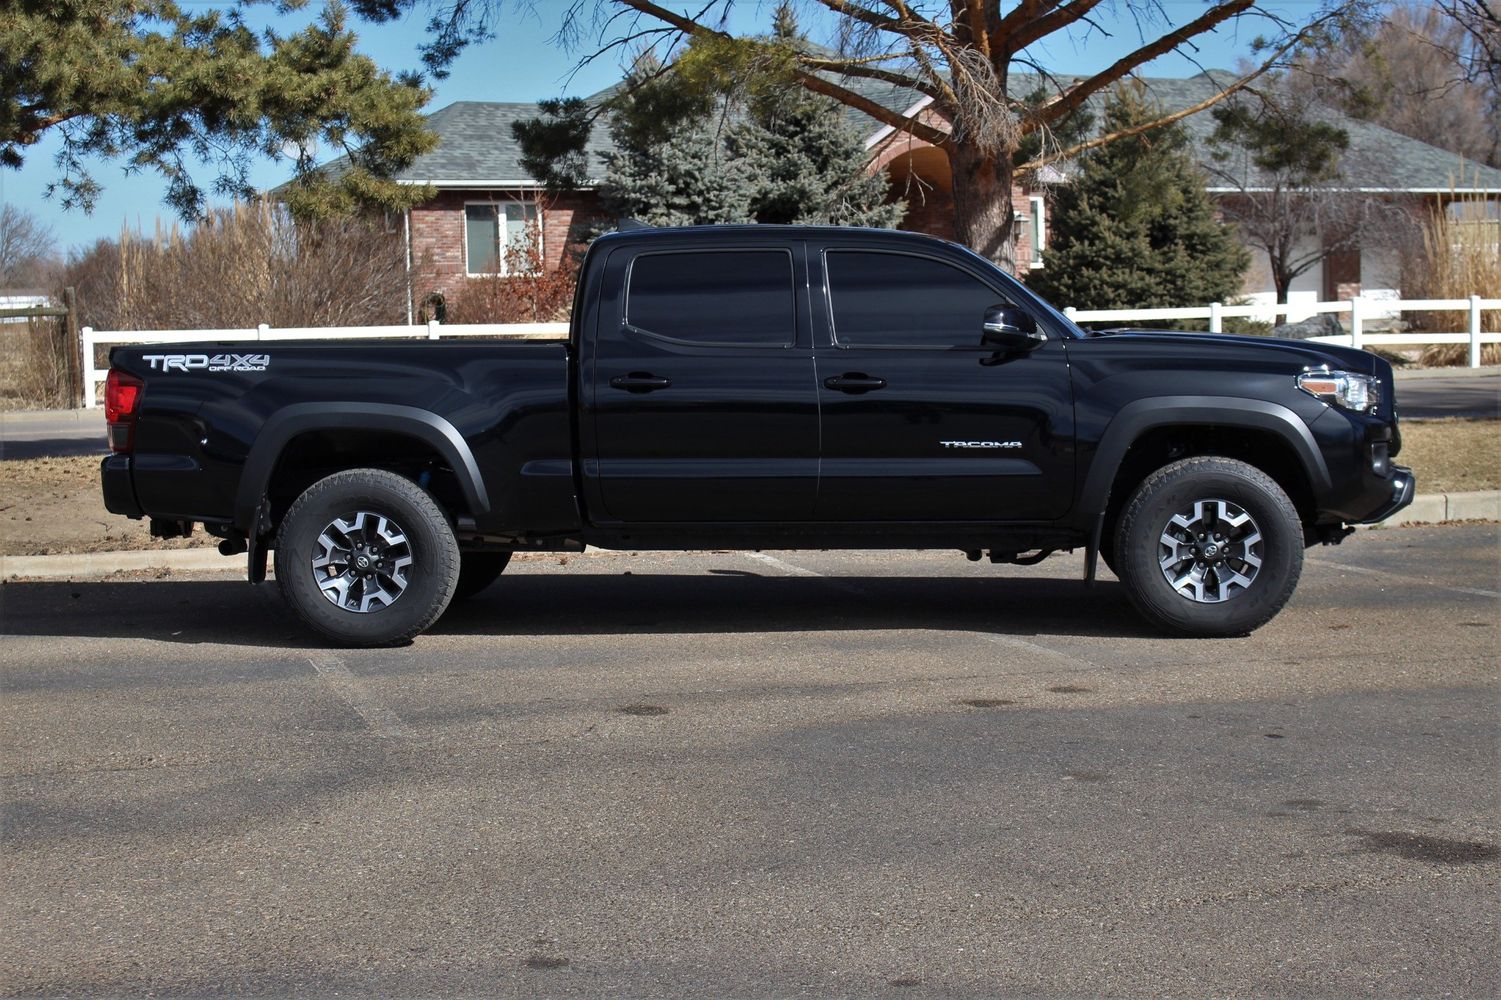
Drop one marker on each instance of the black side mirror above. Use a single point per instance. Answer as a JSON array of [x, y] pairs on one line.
[[1011, 329]]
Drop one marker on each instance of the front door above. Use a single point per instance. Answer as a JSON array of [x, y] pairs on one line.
[[920, 420], [704, 406]]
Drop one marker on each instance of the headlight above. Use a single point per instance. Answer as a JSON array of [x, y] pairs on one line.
[[1361, 393]]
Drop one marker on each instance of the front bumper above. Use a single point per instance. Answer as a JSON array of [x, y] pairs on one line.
[[119, 491], [1403, 485]]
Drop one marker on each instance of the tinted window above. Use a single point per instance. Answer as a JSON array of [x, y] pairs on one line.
[[729, 297], [897, 300]]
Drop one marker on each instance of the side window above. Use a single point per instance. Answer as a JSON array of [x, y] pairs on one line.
[[900, 300], [732, 297]]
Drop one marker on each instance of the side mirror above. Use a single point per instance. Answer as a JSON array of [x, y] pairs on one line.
[[1009, 328]]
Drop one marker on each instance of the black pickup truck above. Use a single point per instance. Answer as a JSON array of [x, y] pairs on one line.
[[762, 387]]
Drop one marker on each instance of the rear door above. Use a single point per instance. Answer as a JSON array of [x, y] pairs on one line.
[[704, 404], [920, 420]]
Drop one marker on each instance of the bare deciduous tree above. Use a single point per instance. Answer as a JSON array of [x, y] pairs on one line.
[[958, 54], [240, 267], [1422, 70], [28, 249]]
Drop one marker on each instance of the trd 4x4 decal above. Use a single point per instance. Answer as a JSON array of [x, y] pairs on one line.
[[209, 362]]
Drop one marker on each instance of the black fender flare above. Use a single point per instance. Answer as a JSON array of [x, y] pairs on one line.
[[1143, 415], [300, 418]]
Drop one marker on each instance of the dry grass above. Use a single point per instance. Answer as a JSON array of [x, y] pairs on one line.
[[1461, 256], [33, 373], [1453, 456]]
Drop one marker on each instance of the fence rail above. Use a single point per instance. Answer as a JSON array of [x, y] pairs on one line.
[[93, 339], [1358, 310]]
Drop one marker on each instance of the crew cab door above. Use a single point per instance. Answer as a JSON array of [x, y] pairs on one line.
[[921, 421], [703, 401]]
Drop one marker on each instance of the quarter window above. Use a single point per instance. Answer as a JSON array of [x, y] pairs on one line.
[[900, 300], [729, 297], [496, 237]]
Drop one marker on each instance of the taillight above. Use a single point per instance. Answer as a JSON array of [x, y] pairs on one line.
[[122, 397]]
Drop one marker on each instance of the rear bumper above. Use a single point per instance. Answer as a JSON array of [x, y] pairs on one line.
[[1403, 486], [119, 491]]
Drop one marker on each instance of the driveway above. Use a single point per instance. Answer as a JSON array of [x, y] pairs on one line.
[[761, 775]]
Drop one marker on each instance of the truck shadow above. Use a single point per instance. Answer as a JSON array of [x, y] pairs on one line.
[[235, 613]]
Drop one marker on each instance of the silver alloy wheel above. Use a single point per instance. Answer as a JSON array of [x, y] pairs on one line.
[[1211, 552], [362, 562]]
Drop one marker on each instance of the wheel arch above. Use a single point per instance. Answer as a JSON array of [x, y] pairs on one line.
[[290, 423], [1273, 438]]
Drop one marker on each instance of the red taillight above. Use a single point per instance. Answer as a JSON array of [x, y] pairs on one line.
[[122, 394]]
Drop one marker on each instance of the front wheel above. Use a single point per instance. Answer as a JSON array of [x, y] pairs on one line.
[[1209, 547], [366, 558]]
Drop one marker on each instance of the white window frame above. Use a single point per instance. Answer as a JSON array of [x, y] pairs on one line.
[[500, 254], [1039, 205]]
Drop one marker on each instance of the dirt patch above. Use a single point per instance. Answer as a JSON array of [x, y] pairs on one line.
[[1453, 456], [53, 505]]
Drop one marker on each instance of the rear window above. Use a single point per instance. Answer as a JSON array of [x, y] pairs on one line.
[[716, 298]]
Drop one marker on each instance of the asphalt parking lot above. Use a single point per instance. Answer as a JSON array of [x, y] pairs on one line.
[[740, 775]]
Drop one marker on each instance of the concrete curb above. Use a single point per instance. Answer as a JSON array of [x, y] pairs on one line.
[[91, 564], [1428, 508], [1479, 505]]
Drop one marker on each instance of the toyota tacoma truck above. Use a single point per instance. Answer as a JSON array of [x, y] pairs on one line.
[[762, 387]]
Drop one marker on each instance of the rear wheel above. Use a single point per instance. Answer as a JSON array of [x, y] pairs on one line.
[[366, 558], [477, 571], [1209, 547]]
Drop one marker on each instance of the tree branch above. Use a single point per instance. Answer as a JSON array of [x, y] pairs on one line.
[[1214, 16], [845, 67]]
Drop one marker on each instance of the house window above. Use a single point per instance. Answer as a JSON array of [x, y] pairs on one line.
[[1039, 229], [496, 234]]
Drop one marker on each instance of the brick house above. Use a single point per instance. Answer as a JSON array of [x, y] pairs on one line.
[[486, 204]]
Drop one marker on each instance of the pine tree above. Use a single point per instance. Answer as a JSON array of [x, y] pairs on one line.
[[671, 165], [688, 180], [1136, 228], [807, 165]]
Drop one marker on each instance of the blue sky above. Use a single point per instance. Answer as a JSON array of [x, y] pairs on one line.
[[524, 64]]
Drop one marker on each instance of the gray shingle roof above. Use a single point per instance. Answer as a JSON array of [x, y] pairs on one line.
[[1377, 159], [475, 144]]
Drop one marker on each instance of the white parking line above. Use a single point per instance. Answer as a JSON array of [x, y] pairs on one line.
[[789, 569], [381, 720], [1405, 579]]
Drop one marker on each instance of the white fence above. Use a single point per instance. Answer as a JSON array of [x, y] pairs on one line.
[[92, 339], [1358, 309]]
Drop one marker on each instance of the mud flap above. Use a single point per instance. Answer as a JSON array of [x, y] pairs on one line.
[[1092, 552], [255, 543]]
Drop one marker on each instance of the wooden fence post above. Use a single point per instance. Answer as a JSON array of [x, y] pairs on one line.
[[73, 348]]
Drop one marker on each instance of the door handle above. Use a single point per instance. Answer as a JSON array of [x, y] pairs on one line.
[[854, 382], [639, 382]]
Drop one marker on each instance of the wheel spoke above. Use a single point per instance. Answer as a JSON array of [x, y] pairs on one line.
[[1210, 550], [362, 561]]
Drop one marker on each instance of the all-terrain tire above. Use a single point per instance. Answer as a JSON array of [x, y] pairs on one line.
[[367, 502], [477, 571], [1227, 486]]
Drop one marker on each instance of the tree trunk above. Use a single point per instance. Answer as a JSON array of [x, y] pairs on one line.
[[982, 205], [1281, 280]]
